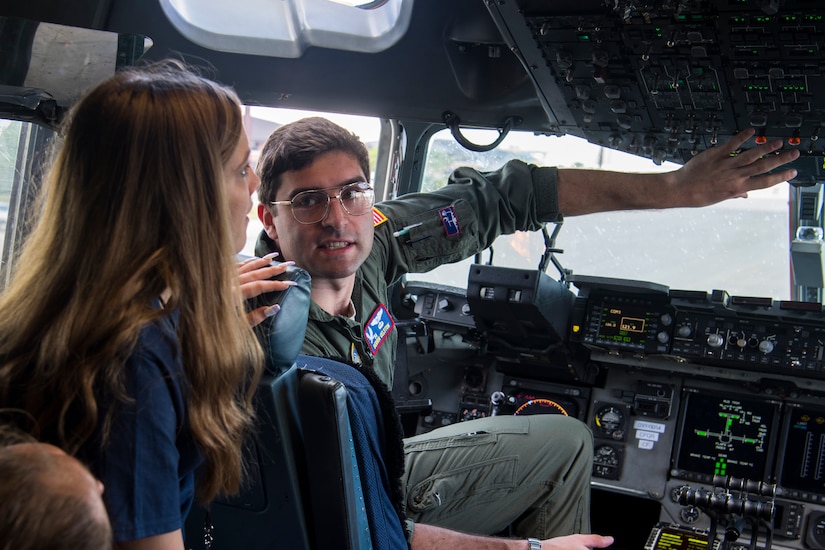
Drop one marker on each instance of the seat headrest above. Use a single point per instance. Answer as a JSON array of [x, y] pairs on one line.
[[283, 335]]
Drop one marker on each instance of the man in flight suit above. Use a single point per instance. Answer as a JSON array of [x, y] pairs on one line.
[[317, 209]]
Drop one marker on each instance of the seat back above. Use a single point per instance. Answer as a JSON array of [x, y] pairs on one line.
[[377, 449], [335, 491], [302, 488]]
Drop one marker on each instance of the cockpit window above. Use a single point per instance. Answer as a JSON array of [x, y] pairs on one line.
[[9, 140], [741, 245], [19, 177]]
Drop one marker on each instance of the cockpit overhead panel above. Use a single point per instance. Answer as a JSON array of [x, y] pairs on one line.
[[665, 79]]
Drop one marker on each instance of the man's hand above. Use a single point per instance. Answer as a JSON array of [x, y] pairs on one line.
[[430, 537], [712, 176], [716, 174], [255, 275], [577, 542]]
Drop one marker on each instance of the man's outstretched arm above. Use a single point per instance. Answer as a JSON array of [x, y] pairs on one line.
[[712, 176]]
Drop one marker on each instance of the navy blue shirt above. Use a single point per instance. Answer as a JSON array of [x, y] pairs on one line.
[[148, 466]]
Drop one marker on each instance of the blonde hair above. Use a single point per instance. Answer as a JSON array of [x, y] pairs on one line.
[[135, 204]]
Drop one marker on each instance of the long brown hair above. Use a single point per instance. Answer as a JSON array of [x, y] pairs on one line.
[[134, 205]]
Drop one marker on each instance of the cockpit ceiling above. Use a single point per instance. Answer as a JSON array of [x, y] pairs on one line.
[[663, 79]]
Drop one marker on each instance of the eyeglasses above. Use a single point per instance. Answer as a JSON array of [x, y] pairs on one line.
[[308, 207]]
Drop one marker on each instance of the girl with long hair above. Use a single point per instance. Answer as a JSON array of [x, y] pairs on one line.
[[123, 331]]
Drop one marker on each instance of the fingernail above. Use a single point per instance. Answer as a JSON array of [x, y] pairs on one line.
[[272, 310], [290, 282], [288, 262], [271, 255]]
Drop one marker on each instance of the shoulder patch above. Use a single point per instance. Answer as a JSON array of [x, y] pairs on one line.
[[378, 217], [450, 220], [378, 327]]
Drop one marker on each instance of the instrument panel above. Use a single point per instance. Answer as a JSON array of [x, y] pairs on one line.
[[680, 389], [756, 334]]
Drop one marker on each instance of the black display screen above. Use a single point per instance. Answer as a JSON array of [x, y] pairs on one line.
[[674, 538], [726, 435], [628, 322], [803, 466], [623, 324]]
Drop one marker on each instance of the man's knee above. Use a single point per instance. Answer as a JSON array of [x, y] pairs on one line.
[[560, 433]]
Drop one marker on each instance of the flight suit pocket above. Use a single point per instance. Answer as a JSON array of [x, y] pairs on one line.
[[444, 235], [451, 490], [461, 466]]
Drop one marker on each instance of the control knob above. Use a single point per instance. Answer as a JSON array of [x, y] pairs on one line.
[[766, 346], [715, 340], [683, 331]]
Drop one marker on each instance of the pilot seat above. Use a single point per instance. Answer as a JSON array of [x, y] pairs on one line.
[[312, 468]]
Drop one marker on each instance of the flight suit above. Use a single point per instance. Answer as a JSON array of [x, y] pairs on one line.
[[483, 475]]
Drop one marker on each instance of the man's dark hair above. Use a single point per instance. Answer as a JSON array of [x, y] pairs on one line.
[[296, 145]]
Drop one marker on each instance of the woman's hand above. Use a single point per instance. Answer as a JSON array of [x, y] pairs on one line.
[[255, 275]]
